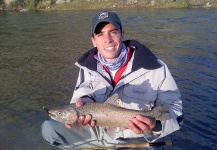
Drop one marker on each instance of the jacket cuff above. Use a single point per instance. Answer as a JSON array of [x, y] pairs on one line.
[[89, 97]]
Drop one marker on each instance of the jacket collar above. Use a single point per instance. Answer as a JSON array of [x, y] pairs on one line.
[[143, 57]]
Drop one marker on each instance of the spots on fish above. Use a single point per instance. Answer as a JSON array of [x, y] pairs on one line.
[[120, 103], [108, 115]]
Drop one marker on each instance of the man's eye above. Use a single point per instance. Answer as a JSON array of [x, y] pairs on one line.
[[99, 35], [114, 32]]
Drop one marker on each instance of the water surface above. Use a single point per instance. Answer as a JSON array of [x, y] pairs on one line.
[[38, 51]]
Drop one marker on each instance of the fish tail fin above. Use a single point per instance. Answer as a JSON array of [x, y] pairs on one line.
[[164, 116], [163, 111], [162, 108]]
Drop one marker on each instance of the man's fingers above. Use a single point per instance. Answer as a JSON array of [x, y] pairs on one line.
[[80, 120], [79, 102], [92, 123], [138, 126], [87, 120], [148, 121], [69, 126], [133, 127]]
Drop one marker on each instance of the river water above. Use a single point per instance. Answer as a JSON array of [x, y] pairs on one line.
[[38, 51]]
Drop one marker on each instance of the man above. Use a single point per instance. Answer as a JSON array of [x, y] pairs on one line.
[[126, 68]]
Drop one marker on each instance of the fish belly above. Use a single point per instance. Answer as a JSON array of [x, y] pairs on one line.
[[107, 120]]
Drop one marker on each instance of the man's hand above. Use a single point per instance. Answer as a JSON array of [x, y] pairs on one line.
[[141, 124], [83, 120]]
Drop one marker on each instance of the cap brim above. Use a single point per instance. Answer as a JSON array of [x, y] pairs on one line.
[[117, 26]]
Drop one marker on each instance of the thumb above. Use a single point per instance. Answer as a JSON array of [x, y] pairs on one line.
[[69, 126], [79, 102]]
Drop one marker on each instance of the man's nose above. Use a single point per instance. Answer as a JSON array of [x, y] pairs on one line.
[[108, 38]]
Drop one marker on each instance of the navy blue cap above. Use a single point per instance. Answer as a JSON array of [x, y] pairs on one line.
[[106, 16]]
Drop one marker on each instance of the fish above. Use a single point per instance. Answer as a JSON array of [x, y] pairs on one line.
[[106, 114]]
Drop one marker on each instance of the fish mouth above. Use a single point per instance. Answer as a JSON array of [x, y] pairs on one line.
[[49, 114], [54, 117]]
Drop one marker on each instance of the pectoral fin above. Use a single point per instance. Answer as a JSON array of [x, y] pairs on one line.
[[111, 131]]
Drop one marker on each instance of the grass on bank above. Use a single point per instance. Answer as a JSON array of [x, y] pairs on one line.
[[103, 4]]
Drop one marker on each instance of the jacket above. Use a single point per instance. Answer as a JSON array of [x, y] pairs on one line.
[[145, 83]]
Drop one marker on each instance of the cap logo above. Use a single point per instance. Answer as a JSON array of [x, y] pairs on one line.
[[103, 15]]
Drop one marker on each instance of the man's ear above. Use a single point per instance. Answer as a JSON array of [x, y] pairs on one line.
[[93, 41]]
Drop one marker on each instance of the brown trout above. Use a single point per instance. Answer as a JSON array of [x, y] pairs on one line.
[[106, 114]]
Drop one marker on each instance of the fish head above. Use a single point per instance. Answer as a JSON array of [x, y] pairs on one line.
[[64, 114]]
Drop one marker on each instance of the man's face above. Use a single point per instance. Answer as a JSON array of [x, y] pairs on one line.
[[108, 41]]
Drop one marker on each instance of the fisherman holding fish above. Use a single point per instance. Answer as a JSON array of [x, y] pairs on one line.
[[124, 94]]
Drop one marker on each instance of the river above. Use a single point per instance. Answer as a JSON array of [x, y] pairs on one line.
[[38, 50]]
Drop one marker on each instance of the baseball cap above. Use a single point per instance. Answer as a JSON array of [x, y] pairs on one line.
[[106, 16]]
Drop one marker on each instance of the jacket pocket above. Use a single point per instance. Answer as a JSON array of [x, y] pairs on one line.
[[100, 91], [139, 96]]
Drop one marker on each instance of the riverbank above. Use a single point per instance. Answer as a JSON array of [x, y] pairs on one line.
[[104, 4], [95, 4]]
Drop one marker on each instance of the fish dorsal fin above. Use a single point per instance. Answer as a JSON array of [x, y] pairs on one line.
[[114, 100]]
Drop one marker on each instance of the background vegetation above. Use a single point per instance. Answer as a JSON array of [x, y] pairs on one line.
[[96, 4]]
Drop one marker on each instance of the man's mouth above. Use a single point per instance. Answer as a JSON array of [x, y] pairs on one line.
[[110, 48]]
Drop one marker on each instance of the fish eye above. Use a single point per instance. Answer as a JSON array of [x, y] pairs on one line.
[[59, 113]]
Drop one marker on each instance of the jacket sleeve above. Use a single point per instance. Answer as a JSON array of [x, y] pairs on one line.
[[83, 86], [168, 92]]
